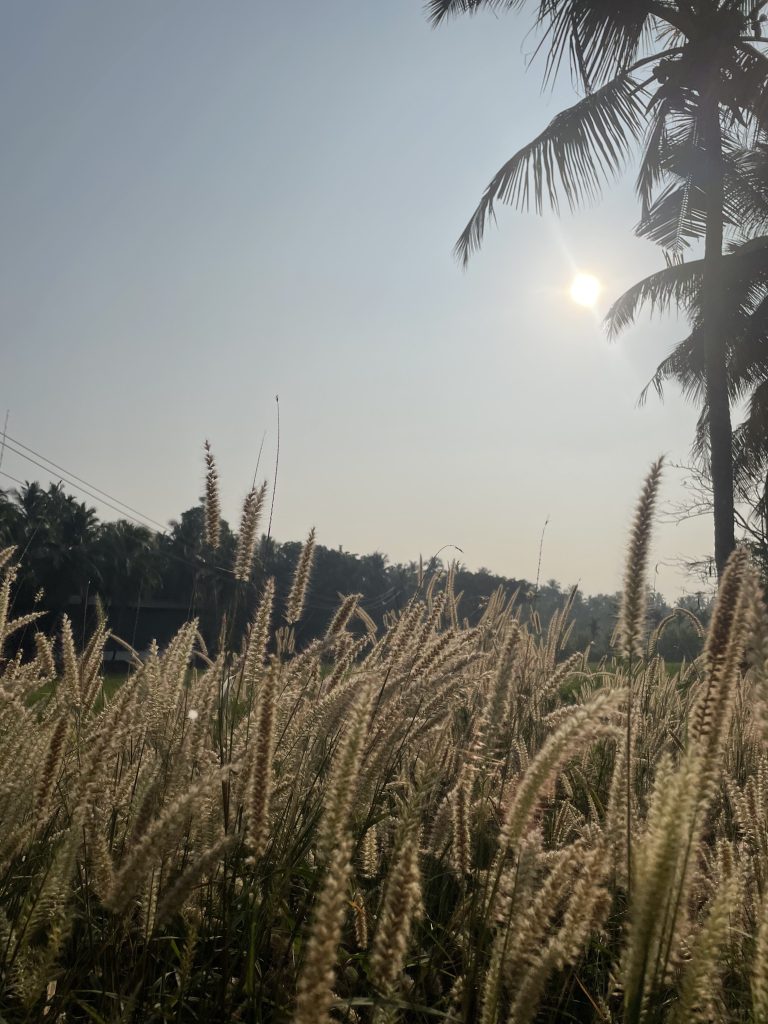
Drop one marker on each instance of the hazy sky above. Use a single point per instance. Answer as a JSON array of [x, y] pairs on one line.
[[206, 204]]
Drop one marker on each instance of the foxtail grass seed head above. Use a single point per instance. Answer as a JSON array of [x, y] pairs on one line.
[[344, 613], [297, 596], [258, 638], [45, 655], [343, 776], [316, 982], [260, 781], [52, 765], [248, 534], [212, 500], [72, 682], [401, 908], [632, 614], [723, 657], [360, 916]]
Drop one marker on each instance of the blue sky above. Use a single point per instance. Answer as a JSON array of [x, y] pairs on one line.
[[204, 205]]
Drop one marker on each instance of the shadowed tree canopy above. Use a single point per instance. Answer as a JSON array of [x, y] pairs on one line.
[[149, 582]]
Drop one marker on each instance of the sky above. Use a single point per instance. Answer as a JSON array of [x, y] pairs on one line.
[[203, 206]]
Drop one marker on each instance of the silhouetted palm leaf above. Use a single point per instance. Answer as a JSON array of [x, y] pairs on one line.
[[652, 167], [676, 285], [601, 37], [678, 214], [677, 217], [746, 323], [745, 277], [750, 439], [685, 366], [581, 147]]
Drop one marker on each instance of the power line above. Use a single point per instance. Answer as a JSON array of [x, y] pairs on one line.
[[373, 602], [169, 554], [80, 479], [15, 479], [80, 487]]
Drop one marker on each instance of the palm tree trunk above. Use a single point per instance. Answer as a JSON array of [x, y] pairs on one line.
[[720, 437]]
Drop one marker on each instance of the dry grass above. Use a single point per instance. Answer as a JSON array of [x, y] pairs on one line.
[[414, 826]]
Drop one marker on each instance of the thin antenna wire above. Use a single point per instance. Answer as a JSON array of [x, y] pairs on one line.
[[277, 463], [541, 551], [79, 487], [5, 431], [258, 460]]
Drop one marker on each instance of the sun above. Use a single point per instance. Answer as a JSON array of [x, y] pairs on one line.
[[585, 290]]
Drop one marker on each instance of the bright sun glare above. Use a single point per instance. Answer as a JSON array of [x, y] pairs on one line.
[[585, 289]]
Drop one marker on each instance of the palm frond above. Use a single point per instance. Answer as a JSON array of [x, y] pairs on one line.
[[744, 278], [752, 95], [581, 148], [750, 439], [749, 258], [678, 215], [746, 188], [601, 37], [749, 442], [652, 168], [685, 366], [675, 285], [700, 443], [676, 218], [753, 338], [440, 10]]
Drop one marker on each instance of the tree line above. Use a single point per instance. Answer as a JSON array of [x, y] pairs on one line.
[[150, 582]]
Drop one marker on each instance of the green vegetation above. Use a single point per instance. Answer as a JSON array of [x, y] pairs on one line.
[[150, 583], [431, 821]]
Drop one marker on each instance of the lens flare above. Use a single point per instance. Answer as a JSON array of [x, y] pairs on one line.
[[585, 290]]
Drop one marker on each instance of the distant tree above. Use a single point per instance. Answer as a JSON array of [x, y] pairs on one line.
[[9, 520], [53, 533], [64, 549], [195, 575], [128, 568]]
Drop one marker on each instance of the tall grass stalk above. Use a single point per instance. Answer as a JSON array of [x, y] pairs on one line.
[[418, 823]]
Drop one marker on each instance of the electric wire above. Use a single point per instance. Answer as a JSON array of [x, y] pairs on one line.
[[79, 487], [103, 497], [80, 480]]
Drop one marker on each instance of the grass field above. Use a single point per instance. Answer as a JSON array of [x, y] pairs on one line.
[[434, 823]]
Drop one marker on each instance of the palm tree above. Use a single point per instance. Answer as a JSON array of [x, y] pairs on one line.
[[744, 311], [53, 533], [688, 79], [9, 520], [125, 554], [127, 564], [745, 323]]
